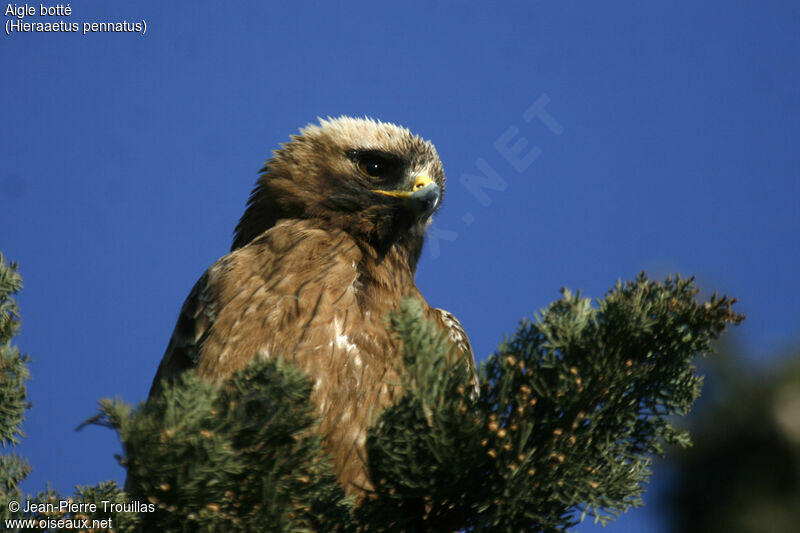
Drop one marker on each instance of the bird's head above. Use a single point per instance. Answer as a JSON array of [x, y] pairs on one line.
[[374, 180]]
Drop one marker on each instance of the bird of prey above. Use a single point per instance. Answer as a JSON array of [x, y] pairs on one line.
[[327, 246]]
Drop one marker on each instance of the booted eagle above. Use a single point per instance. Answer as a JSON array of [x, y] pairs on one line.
[[327, 246]]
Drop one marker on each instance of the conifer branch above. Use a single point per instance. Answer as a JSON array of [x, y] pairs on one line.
[[571, 410]]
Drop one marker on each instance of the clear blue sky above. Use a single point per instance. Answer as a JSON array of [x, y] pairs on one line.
[[670, 144]]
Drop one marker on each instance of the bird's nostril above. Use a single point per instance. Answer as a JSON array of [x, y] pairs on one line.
[[420, 183]]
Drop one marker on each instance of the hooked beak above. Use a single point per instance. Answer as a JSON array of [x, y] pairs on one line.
[[423, 198]]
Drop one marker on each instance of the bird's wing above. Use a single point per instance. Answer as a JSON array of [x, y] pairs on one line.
[[194, 323], [460, 340], [261, 300]]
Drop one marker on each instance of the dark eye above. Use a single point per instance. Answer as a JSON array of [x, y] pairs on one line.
[[374, 167], [377, 164]]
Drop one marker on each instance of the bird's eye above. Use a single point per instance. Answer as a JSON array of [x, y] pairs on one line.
[[377, 164], [373, 167]]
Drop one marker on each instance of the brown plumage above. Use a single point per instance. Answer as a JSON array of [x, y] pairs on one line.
[[328, 246]]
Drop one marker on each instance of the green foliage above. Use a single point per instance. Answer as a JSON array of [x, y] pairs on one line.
[[13, 403], [570, 411], [13, 366], [13, 469], [743, 473], [425, 455], [107, 512], [13, 375], [243, 457], [585, 395]]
